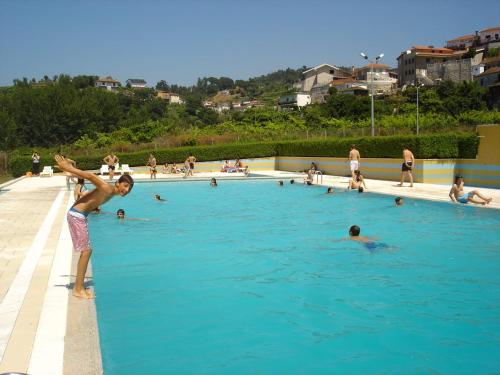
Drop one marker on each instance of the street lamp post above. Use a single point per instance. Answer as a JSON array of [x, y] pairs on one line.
[[363, 55], [418, 87]]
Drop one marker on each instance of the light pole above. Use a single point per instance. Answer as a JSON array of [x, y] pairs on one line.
[[363, 55], [418, 87]]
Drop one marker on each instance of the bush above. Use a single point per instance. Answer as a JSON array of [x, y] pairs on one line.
[[20, 163], [442, 146]]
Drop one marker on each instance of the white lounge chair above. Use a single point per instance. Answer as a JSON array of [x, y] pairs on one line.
[[47, 171], [104, 169], [127, 169]]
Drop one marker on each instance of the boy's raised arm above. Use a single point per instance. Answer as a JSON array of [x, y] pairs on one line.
[[66, 166]]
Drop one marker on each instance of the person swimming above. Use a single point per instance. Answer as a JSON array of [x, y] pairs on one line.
[[158, 198], [213, 182], [329, 190], [399, 201], [368, 242], [292, 182], [280, 183]]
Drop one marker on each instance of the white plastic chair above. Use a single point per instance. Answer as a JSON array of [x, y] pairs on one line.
[[104, 169], [127, 169], [47, 171]]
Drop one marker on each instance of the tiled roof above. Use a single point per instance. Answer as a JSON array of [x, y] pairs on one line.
[[429, 49], [375, 66], [489, 60], [490, 29], [320, 66], [493, 70], [341, 81], [465, 37], [108, 79]]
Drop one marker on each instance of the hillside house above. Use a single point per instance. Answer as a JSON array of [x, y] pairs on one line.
[[107, 83]]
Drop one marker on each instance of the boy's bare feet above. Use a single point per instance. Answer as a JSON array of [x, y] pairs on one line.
[[85, 293], [489, 200]]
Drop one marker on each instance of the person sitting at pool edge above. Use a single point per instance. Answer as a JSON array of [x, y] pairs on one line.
[[457, 194], [329, 190], [357, 181], [399, 201], [213, 182], [310, 177]]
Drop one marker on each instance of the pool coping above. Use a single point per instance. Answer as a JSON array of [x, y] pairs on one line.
[[80, 329]]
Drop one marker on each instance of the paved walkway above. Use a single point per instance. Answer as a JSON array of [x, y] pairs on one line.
[[42, 329]]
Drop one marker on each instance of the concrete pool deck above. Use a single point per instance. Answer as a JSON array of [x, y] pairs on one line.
[[43, 330]]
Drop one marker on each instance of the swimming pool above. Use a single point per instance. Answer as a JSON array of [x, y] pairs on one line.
[[250, 278]]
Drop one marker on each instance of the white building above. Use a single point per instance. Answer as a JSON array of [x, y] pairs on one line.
[[490, 35], [136, 83], [107, 83], [320, 75], [383, 80], [298, 100]]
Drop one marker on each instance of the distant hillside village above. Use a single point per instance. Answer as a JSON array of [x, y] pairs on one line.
[[474, 57]]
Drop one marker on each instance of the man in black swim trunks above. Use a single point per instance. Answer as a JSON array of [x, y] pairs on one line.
[[407, 166], [111, 160], [191, 160]]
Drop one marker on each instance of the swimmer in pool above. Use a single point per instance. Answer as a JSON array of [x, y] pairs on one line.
[[158, 198], [120, 214], [329, 190], [399, 201], [368, 242]]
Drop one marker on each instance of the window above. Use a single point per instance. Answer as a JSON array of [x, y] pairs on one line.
[[482, 82], [496, 36], [427, 60]]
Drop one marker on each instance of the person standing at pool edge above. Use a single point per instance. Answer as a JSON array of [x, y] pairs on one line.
[[191, 160], [111, 160], [152, 166], [354, 158], [35, 166], [407, 166], [77, 216]]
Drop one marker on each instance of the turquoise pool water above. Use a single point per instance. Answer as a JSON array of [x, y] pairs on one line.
[[250, 278]]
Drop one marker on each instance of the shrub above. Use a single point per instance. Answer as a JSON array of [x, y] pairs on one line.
[[443, 146]]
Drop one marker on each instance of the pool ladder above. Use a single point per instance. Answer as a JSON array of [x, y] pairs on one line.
[[318, 173]]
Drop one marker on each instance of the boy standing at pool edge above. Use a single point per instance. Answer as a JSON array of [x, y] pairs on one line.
[[77, 216]]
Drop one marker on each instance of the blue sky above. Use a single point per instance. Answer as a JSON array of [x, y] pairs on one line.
[[179, 41]]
